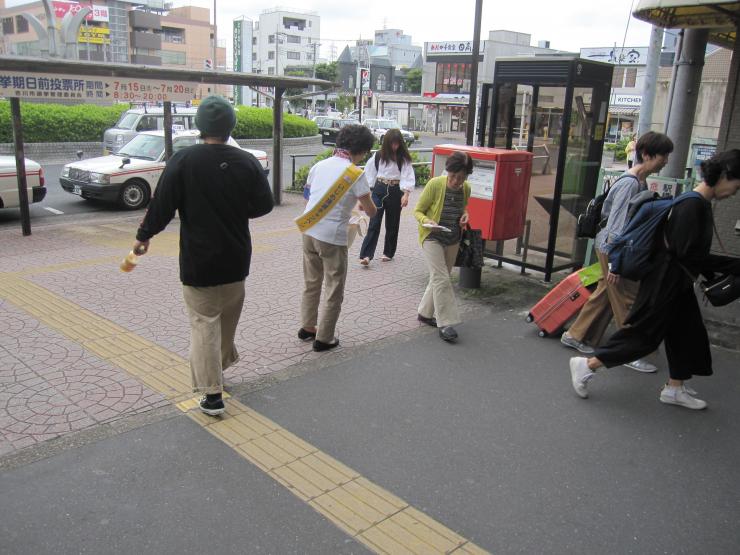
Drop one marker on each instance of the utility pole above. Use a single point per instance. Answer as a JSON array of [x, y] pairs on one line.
[[213, 65], [313, 74], [651, 77], [470, 135]]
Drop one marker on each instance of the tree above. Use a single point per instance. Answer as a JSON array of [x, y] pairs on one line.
[[345, 103], [413, 80], [328, 72]]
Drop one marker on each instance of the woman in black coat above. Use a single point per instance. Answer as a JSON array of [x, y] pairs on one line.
[[666, 308]]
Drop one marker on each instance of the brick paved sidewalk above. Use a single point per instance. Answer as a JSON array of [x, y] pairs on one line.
[[53, 381]]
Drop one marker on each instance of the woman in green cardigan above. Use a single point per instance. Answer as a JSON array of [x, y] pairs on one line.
[[441, 211]]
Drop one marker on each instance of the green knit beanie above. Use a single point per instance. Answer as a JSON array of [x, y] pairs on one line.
[[215, 117]]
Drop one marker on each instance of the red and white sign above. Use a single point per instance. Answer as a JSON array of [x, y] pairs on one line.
[[98, 13]]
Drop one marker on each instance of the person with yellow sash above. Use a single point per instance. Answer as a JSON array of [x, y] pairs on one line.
[[335, 186]]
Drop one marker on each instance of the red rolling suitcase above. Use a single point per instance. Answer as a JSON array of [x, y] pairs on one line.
[[559, 305]]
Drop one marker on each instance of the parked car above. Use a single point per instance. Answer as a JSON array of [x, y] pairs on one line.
[[329, 129], [130, 176], [379, 127], [9, 197], [137, 120]]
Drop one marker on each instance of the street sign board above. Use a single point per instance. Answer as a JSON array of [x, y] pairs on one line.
[[99, 90]]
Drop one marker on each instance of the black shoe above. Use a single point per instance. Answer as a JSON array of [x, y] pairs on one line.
[[428, 321], [212, 404], [448, 333], [305, 335], [319, 346]]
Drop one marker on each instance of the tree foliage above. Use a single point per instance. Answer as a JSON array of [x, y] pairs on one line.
[[413, 80], [328, 72]]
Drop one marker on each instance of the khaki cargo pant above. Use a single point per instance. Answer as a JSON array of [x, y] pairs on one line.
[[323, 263], [214, 313], [439, 298]]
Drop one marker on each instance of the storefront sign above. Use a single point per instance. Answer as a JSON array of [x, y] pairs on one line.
[[633, 100], [101, 90], [98, 13], [450, 47], [94, 35], [617, 55]]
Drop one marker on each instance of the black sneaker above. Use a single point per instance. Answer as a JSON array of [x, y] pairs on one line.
[[319, 346], [212, 404], [305, 335], [428, 321], [448, 333]]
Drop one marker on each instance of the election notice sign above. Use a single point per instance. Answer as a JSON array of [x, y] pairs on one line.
[[99, 90]]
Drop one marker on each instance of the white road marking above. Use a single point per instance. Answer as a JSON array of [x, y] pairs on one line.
[[53, 210]]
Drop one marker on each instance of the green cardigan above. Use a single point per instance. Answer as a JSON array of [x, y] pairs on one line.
[[431, 201]]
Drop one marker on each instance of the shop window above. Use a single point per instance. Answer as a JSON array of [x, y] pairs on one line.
[[8, 28], [21, 24], [630, 77]]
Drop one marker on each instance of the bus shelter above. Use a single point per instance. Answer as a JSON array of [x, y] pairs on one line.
[[21, 78], [555, 107]]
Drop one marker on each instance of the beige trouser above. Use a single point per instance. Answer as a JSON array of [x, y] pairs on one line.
[[439, 298], [606, 301], [214, 313], [323, 263]]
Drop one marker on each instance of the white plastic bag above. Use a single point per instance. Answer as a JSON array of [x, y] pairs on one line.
[[357, 225]]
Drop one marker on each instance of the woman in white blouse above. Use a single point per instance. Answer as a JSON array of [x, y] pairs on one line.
[[392, 179]]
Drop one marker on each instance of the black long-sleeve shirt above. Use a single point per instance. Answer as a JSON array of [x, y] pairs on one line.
[[216, 188]]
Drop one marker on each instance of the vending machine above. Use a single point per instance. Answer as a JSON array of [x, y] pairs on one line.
[[499, 188]]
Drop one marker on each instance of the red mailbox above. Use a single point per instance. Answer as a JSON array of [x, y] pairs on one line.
[[499, 188]]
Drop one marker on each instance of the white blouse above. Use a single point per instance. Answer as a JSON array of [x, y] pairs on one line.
[[389, 170]]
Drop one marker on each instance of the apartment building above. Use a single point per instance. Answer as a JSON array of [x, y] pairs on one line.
[[284, 40]]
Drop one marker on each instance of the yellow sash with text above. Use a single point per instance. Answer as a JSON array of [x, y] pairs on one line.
[[330, 199]]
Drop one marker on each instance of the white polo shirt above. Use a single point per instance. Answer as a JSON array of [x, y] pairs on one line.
[[333, 227]]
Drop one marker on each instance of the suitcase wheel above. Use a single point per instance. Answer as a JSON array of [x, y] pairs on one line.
[[529, 318], [542, 333]]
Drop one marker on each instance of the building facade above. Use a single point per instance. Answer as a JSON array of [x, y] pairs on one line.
[[284, 39]]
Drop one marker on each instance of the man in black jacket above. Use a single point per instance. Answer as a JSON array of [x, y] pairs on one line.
[[216, 188]]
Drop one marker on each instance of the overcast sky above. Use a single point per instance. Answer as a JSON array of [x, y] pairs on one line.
[[567, 24]]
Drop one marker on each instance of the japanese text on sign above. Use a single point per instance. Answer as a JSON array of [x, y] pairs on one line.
[[93, 89], [450, 47]]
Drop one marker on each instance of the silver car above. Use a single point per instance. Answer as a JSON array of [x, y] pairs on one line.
[[135, 121]]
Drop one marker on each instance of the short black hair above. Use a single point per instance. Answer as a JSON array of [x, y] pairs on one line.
[[727, 163], [358, 139], [653, 144], [458, 162]]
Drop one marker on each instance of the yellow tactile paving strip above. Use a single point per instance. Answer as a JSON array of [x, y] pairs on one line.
[[373, 516]]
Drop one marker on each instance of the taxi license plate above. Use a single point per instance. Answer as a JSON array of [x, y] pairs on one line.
[[76, 190], [326, 133]]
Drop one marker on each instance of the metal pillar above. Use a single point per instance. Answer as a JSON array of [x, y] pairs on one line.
[[20, 165], [686, 92], [167, 112], [277, 142], [651, 75]]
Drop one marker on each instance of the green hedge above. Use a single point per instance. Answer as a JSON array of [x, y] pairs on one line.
[[422, 173], [256, 123], [57, 123]]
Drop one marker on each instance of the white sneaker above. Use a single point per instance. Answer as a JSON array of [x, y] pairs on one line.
[[569, 341], [679, 396], [642, 365], [580, 374]]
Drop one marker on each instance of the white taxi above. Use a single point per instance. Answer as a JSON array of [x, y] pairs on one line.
[[9, 197], [130, 176]]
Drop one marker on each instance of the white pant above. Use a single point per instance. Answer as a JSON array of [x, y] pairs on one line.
[[439, 298]]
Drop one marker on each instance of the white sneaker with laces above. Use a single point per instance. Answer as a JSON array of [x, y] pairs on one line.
[[672, 395], [570, 341], [642, 365], [580, 373]]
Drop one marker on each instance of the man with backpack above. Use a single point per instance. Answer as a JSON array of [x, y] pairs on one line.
[[614, 296], [679, 235]]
